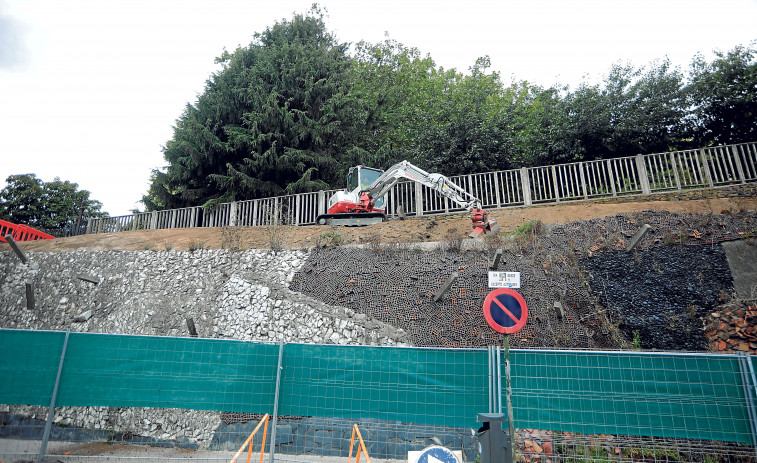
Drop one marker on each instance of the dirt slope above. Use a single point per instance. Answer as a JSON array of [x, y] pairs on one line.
[[423, 229]]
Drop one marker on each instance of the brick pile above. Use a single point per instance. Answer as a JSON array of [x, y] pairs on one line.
[[733, 327]]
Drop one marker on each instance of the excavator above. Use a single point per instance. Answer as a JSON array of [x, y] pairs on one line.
[[361, 202]]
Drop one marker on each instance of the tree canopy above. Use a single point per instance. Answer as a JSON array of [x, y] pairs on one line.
[[54, 207], [295, 108]]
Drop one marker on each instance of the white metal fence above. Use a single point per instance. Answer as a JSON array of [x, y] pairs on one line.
[[633, 175]]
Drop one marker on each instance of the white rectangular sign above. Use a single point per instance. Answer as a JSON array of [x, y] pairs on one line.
[[504, 279]]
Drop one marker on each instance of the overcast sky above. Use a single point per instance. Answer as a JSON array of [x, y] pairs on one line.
[[90, 89]]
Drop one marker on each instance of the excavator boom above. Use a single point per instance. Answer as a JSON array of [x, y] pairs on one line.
[[357, 207]]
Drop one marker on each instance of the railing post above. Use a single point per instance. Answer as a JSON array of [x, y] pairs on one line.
[[193, 218], [233, 214], [255, 208], [154, 220], [706, 168], [737, 161], [297, 205], [90, 222], [526, 185], [418, 199], [554, 182], [675, 171], [582, 175], [173, 219], [497, 194], [641, 169], [611, 176], [321, 202]]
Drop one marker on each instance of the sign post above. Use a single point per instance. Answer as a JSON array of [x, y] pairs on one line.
[[506, 312]]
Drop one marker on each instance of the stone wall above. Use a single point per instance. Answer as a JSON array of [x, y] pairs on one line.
[[228, 294]]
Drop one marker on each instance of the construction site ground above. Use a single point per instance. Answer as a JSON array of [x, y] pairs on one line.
[[412, 230]]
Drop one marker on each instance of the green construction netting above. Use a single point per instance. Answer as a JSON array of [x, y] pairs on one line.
[[430, 386], [685, 396], [28, 366]]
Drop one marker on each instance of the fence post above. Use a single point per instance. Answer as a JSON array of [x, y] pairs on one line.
[[154, 220], [611, 176], [744, 368], [297, 205], [497, 194], [737, 161], [193, 218], [90, 222], [675, 171], [233, 214], [556, 185], [51, 411], [418, 199], [582, 175], [173, 219], [272, 450], [706, 168], [526, 185], [641, 168]]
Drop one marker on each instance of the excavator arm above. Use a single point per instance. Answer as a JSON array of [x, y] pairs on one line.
[[436, 182]]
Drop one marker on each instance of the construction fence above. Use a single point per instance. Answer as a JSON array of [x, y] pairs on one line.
[[63, 390], [627, 176]]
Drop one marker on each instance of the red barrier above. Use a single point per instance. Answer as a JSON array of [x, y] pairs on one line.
[[21, 232]]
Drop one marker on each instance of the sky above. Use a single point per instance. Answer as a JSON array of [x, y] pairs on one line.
[[90, 89]]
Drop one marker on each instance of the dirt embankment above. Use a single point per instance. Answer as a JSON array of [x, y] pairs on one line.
[[421, 229]]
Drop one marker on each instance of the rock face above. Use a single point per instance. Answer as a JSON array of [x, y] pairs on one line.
[[663, 293], [228, 294]]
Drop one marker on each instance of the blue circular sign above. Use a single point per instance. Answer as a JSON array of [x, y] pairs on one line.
[[505, 310], [437, 454]]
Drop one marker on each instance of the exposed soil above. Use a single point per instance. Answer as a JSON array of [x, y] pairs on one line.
[[421, 229]]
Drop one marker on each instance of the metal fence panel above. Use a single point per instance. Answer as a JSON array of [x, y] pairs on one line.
[[209, 394], [660, 395]]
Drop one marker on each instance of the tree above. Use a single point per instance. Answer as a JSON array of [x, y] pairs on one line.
[[21, 200], [55, 206], [634, 111], [724, 96], [275, 120]]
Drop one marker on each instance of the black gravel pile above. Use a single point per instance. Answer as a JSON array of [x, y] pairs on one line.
[[662, 293]]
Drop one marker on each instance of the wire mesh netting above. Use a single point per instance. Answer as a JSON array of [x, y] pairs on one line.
[[153, 398]]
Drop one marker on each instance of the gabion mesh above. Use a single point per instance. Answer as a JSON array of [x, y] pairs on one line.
[[397, 285]]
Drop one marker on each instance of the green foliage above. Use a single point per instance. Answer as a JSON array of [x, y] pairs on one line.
[[293, 110], [274, 120], [330, 238], [527, 231], [636, 343], [724, 95], [54, 206]]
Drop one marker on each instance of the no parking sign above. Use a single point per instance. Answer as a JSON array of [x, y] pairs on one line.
[[505, 310]]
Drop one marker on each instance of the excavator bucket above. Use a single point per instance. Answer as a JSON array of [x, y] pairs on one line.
[[482, 224]]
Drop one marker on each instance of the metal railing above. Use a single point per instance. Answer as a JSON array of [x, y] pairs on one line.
[[634, 175]]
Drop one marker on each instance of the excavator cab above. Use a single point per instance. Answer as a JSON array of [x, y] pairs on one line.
[[360, 178]]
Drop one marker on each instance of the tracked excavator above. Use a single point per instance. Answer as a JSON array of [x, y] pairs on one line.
[[362, 202]]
